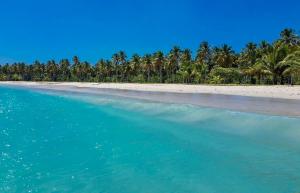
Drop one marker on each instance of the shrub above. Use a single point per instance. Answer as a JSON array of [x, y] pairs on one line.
[[229, 75]]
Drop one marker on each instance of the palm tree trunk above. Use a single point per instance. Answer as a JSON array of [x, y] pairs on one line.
[[274, 79], [160, 74]]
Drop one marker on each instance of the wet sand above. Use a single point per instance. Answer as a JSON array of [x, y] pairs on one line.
[[277, 91], [264, 105]]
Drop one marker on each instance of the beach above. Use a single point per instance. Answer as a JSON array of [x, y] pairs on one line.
[[273, 100], [278, 91]]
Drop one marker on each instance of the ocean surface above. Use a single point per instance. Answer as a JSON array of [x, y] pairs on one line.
[[68, 142]]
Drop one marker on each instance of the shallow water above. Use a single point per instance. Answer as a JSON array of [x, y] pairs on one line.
[[66, 142]]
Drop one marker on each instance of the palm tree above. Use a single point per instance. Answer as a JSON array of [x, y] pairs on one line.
[[159, 64], [75, 68], [292, 64], [86, 71], [289, 38], [64, 68], [264, 48], [247, 59], [258, 70], [203, 62], [271, 61], [224, 56], [203, 55], [115, 62], [82, 71], [52, 70], [135, 64], [101, 70], [248, 56], [76, 60], [173, 63], [186, 65], [37, 71], [123, 62], [126, 71], [147, 62]]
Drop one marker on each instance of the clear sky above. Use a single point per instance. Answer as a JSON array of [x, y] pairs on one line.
[[92, 29]]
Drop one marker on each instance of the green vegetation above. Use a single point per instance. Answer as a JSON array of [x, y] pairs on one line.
[[276, 63]]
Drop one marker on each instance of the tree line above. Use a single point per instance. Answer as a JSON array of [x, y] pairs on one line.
[[263, 63]]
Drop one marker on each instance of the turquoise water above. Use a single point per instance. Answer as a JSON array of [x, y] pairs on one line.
[[60, 142]]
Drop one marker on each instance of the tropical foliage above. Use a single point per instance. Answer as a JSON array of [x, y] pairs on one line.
[[265, 63]]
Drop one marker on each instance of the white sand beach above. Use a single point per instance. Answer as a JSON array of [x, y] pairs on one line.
[[274, 100], [278, 91]]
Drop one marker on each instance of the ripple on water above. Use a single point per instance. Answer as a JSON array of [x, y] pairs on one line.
[[59, 144]]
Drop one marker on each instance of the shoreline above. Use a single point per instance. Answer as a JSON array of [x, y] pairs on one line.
[[281, 100], [265, 91]]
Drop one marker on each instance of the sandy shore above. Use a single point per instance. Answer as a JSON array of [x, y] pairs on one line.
[[274, 100], [280, 92]]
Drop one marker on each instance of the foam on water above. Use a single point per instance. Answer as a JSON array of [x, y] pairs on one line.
[[66, 142]]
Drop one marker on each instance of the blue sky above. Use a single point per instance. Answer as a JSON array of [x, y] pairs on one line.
[[93, 29]]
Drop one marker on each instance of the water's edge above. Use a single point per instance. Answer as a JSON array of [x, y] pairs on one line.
[[261, 105]]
